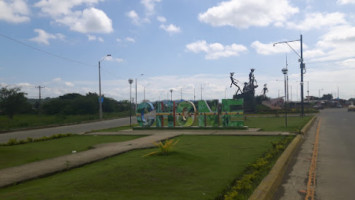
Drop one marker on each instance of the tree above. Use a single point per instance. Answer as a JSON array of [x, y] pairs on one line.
[[327, 97], [12, 101]]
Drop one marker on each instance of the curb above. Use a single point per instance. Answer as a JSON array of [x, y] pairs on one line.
[[272, 181]]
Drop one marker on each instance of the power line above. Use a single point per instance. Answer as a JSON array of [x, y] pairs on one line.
[[43, 51]]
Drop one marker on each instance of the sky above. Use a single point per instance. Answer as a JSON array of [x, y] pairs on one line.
[[189, 46]]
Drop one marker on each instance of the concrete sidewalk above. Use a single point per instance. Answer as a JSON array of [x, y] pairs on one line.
[[42, 168]]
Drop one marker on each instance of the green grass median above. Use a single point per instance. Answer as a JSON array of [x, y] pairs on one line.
[[267, 123], [201, 167], [26, 153]]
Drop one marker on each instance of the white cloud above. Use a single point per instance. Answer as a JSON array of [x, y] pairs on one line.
[[161, 19], [243, 14], [58, 8], [21, 85], [57, 79], [134, 17], [44, 37], [149, 6], [269, 49], [343, 2], [15, 11], [119, 60], [129, 39], [215, 51], [317, 21], [336, 44], [113, 59], [88, 20], [95, 38], [69, 84], [171, 28]]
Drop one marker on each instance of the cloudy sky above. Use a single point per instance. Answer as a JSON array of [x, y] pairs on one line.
[[189, 46]]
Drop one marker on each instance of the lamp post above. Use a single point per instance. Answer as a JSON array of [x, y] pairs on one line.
[[100, 97], [284, 71], [130, 81], [302, 66]]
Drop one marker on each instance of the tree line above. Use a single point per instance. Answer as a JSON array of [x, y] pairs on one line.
[[13, 101]]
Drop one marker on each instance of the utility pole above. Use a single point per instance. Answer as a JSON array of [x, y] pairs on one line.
[[308, 97], [287, 79], [39, 92], [302, 68], [39, 95]]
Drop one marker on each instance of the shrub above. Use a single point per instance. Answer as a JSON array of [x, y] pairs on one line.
[[255, 172], [12, 141], [164, 147]]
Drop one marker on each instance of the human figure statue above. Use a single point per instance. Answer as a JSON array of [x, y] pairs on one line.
[[265, 90], [234, 82], [252, 80], [245, 88]]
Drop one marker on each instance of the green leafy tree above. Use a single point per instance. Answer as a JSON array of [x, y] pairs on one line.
[[12, 101]]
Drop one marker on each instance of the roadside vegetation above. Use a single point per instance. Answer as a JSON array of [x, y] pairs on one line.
[[199, 167], [267, 123], [15, 155], [18, 112]]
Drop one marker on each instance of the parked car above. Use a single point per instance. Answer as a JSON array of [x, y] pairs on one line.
[[351, 108]]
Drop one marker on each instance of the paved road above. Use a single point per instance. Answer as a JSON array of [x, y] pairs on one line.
[[335, 177], [336, 156], [78, 128]]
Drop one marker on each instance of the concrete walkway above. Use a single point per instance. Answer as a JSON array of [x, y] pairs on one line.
[[42, 168]]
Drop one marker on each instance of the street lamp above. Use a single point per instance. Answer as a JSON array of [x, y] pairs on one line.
[[284, 71], [100, 97], [302, 66], [130, 81]]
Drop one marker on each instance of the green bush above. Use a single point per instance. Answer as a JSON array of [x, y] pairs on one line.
[[255, 172]]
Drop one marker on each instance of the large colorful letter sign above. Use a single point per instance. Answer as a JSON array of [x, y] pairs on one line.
[[232, 112], [145, 114], [208, 113], [184, 113]]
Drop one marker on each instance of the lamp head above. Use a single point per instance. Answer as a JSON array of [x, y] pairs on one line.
[[284, 70]]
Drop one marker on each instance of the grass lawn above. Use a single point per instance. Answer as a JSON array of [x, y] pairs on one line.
[[294, 123], [201, 167], [34, 120], [25, 153]]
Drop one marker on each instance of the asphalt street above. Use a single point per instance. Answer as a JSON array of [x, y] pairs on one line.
[[77, 128], [335, 177]]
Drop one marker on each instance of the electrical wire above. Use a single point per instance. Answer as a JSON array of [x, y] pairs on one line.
[[43, 51]]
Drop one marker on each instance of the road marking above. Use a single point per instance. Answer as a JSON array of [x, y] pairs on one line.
[[311, 185]]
